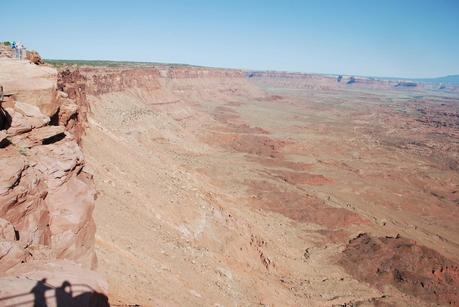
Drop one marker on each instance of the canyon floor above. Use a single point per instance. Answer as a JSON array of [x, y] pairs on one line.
[[240, 192]]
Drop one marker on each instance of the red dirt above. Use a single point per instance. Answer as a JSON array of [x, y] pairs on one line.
[[300, 208], [259, 145], [299, 177], [233, 122], [411, 268], [268, 162]]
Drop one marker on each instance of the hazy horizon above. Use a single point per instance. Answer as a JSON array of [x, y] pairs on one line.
[[249, 70], [409, 39]]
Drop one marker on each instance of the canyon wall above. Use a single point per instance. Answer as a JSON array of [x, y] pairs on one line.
[[207, 183], [47, 232], [240, 196], [165, 82], [46, 196]]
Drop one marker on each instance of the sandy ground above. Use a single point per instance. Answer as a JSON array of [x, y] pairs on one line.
[[249, 199]]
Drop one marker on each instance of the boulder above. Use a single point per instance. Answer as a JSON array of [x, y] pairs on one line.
[[11, 165], [31, 84]]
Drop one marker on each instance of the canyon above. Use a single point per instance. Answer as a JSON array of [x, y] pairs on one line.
[[178, 185]]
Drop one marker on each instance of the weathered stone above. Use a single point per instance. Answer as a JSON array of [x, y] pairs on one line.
[[71, 224], [57, 161], [41, 136], [11, 254], [6, 230], [46, 203], [19, 123], [11, 167], [35, 117], [67, 111]]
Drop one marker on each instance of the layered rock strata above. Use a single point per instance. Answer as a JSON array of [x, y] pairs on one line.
[[46, 196]]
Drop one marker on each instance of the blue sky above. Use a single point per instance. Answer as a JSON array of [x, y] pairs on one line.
[[405, 38]]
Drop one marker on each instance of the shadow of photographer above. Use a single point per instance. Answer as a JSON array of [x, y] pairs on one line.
[[65, 296]]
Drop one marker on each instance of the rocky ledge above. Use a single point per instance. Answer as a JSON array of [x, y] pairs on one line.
[[47, 197]]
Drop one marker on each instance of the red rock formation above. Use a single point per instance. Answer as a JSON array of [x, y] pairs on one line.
[[412, 268], [34, 57], [102, 81], [46, 197], [42, 179], [6, 51], [74, 107]]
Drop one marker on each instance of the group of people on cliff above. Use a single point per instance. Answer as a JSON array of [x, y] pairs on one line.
[[19, 50]]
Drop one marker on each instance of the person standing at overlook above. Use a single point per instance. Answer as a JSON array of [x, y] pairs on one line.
[[20, 50], [15, 49]]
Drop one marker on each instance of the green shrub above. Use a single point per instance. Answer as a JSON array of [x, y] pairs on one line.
[[6, 43]]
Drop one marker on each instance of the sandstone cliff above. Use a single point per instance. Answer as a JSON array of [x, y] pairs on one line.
[[46, 196]]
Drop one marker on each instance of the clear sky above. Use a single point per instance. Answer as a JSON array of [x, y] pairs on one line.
[[403, 38]]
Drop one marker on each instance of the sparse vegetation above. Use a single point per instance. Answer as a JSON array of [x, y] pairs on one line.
[[6, 43]]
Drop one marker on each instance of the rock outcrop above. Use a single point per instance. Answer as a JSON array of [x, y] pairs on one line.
[[44, 192], [34, 57], [6, 51], [412, 268], [46, 197], [74, 106]]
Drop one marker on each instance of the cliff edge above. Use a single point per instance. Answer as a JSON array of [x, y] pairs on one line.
[[46, 196]]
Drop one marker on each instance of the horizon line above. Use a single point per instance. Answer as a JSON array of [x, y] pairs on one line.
[[259, 70]]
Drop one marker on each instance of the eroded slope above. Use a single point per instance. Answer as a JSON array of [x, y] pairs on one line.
[[46, 196], [213, 190]]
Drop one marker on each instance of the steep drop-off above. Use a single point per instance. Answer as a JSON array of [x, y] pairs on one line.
[[236, 191], [46, 196], [220, 187]]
